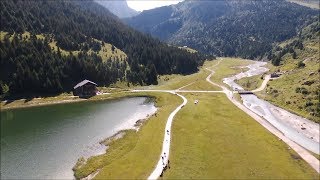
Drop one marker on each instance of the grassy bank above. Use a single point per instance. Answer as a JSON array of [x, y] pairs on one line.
[[250, 83], [135, 155], [297, 90], [59, 99], [214, 139], [229, 67]]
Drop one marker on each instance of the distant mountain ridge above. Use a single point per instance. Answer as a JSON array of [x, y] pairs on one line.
[[308, 3], [225, 28], [118, 7]]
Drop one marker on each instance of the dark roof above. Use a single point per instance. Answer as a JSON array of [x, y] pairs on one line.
[[83, 83]]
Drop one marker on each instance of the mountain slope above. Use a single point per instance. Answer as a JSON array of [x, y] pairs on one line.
[[225, 28], [120, 8], [32, 65], [308, 3]]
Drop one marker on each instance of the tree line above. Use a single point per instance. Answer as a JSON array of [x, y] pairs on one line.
[[31, 66]]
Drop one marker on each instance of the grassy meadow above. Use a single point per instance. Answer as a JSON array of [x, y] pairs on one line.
[[216, 140], [229, 67], [197, 79], [202, 85]]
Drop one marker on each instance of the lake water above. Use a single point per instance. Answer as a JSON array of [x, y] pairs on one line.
[[45, 142]]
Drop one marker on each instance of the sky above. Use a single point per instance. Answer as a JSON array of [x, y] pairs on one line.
[[140, 5]]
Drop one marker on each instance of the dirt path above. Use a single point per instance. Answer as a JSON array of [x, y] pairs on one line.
[[264, 84], [163, 159], [186, 85]]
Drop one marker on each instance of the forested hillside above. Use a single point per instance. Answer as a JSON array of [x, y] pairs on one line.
[[32, 65], [306, 41], [225, 28]]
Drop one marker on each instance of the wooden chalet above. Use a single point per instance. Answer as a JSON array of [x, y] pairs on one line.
[[85, 88]]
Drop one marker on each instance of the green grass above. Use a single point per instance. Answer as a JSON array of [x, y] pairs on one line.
[[250, 83], [135, 155], [190, 50], [216, 140], [107, 53], [229, 67], [178, 81], [21, 103], [202, 85], [284, 91]]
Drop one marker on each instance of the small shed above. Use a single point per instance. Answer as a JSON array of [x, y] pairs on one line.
[[85, 88]]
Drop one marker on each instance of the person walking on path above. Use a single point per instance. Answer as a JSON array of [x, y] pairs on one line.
[[162, 160]]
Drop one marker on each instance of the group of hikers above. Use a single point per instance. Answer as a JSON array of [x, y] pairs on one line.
[[165, 165]]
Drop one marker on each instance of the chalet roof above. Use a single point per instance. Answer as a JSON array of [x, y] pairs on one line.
[[83, 83]]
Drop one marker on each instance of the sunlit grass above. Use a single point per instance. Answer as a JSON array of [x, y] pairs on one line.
[[229, 67], [178, 81], [202, 85], [216, 140], [250, 83]]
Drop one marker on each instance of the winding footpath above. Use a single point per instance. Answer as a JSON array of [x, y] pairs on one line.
[[164, 157], [264, 83], [163, 160]]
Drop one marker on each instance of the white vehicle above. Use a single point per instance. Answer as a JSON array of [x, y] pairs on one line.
[[196, 101]]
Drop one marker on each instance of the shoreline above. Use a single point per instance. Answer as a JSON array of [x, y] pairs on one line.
[[54, 100], [5, 108], [145, 109], [107, 141]]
